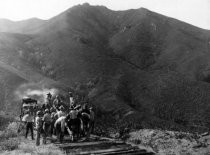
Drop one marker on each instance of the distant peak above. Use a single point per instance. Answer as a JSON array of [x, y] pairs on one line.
[[6, 20], [86, 4], [33, 19], [145, 9]]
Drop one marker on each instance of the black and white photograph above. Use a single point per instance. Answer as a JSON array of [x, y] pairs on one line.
[[104, 77]]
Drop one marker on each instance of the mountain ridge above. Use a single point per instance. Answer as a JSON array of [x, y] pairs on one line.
[[144, 62]]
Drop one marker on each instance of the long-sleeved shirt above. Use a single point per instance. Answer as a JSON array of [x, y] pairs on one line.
[[38, 122], [47, 118], [49, 101], [28, 118], [92, 115], [73, 114]]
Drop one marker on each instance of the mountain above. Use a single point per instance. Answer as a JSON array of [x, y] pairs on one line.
[[133, 64], [24, 26]]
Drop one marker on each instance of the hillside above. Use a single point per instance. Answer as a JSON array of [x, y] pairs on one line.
[[141, 64], [16, 72]]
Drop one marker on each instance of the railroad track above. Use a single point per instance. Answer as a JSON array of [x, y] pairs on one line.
[[100, 146]]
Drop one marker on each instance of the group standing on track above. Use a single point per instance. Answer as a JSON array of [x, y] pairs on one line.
[[56, 118]]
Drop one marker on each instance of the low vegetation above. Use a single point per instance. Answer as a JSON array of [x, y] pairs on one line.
[[9, 137], [13, 143], [170, 142], [28, 147]]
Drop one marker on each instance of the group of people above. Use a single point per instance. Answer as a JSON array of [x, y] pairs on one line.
[[52, 112]]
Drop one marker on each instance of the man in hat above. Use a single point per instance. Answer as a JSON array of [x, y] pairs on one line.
[[39, 128], [43, 107], [57, 101], [49, 100], [49, 95], [47, 120], [85, 109], [28, 119], [52, 113], [60, 113], [71, 99], [72, 122]]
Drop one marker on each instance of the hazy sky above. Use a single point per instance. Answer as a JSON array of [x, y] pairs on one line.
[[196, 12]]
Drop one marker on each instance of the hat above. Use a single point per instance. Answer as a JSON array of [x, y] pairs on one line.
[[52, 109], [49, 93], [70, 94], [61, 108], [38, 113]]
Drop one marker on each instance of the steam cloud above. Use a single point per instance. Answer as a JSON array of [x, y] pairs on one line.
[[38, 92]]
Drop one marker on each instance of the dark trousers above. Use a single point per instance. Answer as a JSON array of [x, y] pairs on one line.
[[38, 136], [29, 126], [53, 128], [59, 132], [47, 129], [92, 124]]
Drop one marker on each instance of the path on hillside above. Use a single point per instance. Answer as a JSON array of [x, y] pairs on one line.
[[30, 75], [25, 73], [100, 146]]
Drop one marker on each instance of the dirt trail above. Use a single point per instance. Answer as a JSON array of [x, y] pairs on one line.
[[25, 73], [100, 146]]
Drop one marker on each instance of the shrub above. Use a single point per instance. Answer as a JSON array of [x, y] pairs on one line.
[[9, 132], [48, 149], [10, 144], [12, 128], [8, 137], [4, 121]]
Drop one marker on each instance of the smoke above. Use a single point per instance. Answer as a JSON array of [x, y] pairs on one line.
[[35, 91]]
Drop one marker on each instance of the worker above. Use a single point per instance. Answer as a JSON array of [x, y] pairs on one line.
[[71, 99], [73, 113], [57, 101], [28, 119], [61, 112], [52, 113], [92, 120], [47, 120], [49, 100], [39, 128]]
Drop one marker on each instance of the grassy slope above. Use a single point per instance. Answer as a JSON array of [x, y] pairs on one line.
[[12, 143], [16, 70]]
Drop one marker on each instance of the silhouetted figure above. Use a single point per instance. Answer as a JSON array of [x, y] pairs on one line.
[[57, 101], [39, 129], [92, 120], [49, 100], [71, 99]]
